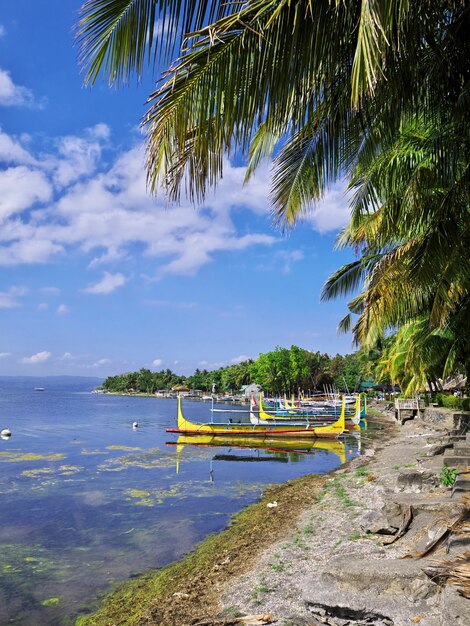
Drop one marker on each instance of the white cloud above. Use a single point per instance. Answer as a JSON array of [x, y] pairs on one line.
[[20, 188], [332, 212], [239, 359], [78, 156], [11, 151], [4, 355], [10, 299], [34, 250], [12, 94], [99, 363], [288, 257], [157, 362], [58, 201], [17, 290], [105, 213], [39, 357], [109, 283], [3, 31], [67, 356], [99, 131], [108, 212], [62, 309], [43, 306]]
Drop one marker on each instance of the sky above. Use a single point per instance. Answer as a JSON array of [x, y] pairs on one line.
[[98, 277]]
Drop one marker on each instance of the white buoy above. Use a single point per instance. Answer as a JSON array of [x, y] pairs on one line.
[[6, 432], [135, 425]]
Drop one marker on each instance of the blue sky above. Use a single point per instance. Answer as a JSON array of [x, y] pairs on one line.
[[97, 277]]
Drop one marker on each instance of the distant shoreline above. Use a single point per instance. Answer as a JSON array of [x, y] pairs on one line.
[[173, 396]]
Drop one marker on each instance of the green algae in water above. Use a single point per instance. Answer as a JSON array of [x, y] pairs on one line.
[[123, 448], [18, 457], [50, 602], [151, 459], [194, 489], [62, 470], [38, 473], [157, 496], [87, 452], [68, 470], [143, 498]]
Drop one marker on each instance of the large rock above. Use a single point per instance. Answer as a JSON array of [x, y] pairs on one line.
[[417, 481], [377, 522], [389, 591], [431, 415], [455, 609]]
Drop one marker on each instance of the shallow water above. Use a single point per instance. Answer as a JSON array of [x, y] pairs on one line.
[[86, 501]]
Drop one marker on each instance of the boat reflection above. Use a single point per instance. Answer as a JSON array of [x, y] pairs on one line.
[[277, 450]]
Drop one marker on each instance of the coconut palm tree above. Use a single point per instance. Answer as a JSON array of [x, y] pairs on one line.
[[316, 83], [410, 224]]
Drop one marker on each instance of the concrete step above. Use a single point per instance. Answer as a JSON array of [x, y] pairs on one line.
[[456, 452], [454, 460], [462, 447], [461, 485], [467, 437]]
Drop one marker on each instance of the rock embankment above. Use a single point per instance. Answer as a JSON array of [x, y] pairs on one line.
[[384, 544]]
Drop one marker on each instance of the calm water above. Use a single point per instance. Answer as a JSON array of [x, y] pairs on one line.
[[86, 501]]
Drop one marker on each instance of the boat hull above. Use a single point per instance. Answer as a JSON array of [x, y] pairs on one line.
[[305, 430], [264, 432]]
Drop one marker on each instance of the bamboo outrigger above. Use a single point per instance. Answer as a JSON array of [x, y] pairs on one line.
[[301, 430], [299, 418]]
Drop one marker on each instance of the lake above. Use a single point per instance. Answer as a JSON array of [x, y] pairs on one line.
[[88, 501]]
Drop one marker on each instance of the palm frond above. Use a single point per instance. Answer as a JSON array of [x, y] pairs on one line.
[[119, 38]]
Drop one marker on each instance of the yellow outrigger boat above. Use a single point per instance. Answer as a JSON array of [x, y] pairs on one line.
[[267, 431]]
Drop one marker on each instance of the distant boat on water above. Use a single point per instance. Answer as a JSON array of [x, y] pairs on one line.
[[39, 389]]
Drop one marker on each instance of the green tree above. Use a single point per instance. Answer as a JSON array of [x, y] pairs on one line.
[[410, 221], [145, 381]]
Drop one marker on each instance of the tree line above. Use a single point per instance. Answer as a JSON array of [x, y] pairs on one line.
[[283, 370]]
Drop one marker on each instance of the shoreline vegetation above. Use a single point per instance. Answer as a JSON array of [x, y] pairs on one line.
[[283, 370], [284, 562], [297, 372]]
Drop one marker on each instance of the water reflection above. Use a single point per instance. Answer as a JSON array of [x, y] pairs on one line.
[[276, 449]]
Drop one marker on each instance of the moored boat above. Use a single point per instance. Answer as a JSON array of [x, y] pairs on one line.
[[301, 430], [291, 418]]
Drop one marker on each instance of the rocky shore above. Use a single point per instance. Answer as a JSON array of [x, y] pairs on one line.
[[378, 542], [385, 544]]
